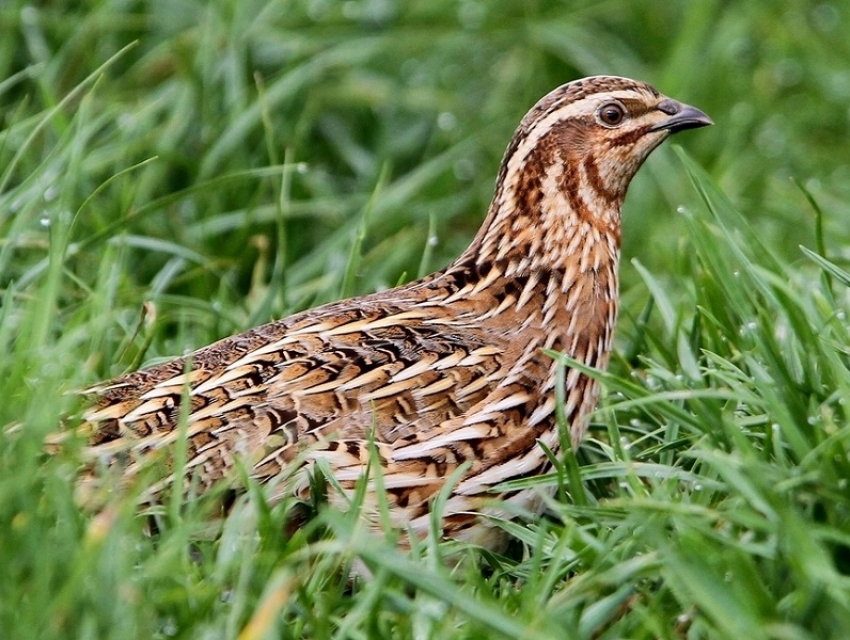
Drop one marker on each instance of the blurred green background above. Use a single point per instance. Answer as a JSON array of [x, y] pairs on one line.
[[401, 109], [172, 172]]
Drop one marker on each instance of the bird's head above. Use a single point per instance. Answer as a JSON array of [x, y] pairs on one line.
[[569, 164], [587, 139]]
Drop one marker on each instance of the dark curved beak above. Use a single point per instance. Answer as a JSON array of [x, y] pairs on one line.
[[682, 116]]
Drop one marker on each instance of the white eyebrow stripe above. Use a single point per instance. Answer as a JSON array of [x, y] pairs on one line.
[[571, 109]]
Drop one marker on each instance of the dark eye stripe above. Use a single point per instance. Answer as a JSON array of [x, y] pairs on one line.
[[629, 136]]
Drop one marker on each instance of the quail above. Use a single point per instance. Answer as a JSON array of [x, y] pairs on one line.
[[444, 377]]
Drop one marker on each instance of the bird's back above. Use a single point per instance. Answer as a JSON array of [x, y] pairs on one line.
[[437, 373]]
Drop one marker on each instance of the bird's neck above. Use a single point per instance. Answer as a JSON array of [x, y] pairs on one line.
[[547, 256], [548, 220]]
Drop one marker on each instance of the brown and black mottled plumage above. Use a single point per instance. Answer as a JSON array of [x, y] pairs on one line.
[[440, 372]]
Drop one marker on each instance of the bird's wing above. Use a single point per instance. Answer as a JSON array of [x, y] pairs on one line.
[[328, 382]]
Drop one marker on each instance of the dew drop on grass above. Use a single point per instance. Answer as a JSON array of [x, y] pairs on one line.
[[302, 167], [188, 208], [51, 193], [446, 121], [770, 140], [471, 15], [44, 221], [433, 608], [409, 67], [826, 17], [788, 72], [433, 241], [742, 112], [350, 10], [29, 15], [316, 10], [464, 169], [169, 627], [749, 327]]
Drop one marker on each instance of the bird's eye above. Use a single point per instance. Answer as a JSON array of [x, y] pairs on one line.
[[611, 114]]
